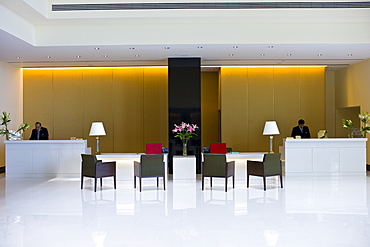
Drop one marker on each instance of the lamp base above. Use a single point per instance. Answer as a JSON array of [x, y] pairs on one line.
[[97, 152]]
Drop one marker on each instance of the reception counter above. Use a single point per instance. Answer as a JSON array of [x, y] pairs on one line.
[[51, 158], [329, 156]]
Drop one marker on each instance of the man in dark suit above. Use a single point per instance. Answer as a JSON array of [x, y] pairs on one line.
[[39, 133], [301, 130]]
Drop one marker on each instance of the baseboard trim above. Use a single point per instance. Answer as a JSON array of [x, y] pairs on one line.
[[2, 169]]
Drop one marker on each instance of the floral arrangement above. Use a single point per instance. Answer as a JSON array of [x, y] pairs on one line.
[[365, 126], [185, 131], [11, 134]]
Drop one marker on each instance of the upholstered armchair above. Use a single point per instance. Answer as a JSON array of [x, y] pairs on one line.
[[150, 165], [270, 166], [93, 168], [215, 165]]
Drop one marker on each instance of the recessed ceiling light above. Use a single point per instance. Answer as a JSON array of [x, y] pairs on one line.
[[105, 55], [48, 57], [289, 54], [200, 47], [132, 48], [18, 57], [262, 54], [78, 56], [137, 56], [231, 54], [350, 54], [270, 46], [167, 47], [96, 48], [235, 47], [319, 54]]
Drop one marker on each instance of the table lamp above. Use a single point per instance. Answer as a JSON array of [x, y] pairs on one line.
[[271, 129], [97, 129]]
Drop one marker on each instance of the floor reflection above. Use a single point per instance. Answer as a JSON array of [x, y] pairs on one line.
[[314, 211]]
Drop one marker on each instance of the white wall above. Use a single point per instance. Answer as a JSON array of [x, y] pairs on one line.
[[11, 99]]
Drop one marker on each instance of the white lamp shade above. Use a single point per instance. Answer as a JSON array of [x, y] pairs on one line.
[[271, 128], [97, 129]]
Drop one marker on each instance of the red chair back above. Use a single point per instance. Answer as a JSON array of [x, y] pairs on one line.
[[153, 148], [217, 148]]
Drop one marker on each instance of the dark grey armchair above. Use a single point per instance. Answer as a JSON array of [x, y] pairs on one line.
[[215, 165], [93, 168], [150, 165], [270, 166]]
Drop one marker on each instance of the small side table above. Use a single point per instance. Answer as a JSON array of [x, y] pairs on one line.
[[184, 167]]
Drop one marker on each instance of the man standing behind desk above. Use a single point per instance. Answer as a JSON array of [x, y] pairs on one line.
[[301, 130], [39, 133]]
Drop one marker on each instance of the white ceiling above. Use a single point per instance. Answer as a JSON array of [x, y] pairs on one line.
[[334, 52]]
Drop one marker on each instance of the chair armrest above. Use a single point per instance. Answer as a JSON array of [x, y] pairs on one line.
[[254, 162], [230, 168]]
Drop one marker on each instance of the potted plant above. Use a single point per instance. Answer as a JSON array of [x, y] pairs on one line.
[[185, 131], [11, 134]]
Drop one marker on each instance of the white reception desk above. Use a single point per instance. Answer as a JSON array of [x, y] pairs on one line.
[[329, 156], [52, 158]]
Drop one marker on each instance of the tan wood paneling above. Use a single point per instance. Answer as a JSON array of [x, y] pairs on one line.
[[234, 108], [211, 131], [286, 101], [38, 99], [156, 106], [128, 110], [68, 103], [312, 101], [98, 105], [260, 106]]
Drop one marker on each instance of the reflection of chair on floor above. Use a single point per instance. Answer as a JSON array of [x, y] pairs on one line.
[[93, 168], [270, 166], [150, 165], [215, 165]]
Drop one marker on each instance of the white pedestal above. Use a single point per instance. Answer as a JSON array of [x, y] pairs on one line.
[[184, 167]]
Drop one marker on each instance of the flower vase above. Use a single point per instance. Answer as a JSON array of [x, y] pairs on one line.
[[184, 149]]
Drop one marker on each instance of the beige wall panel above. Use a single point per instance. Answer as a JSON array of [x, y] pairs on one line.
[[209, 108], [128, 110], [234, 108], [312, 101], [98, 106], [260, 106], [352, 87], [330, 103], [286, 101], [156, 106], [68, 103], [38, 99]]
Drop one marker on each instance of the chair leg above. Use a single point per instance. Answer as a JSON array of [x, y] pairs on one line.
[[164, 183], [140, 183], [101, 182], [157, 182], [226, 184], [247, 180], [281, 181], [95, 181], [264, 183], [233, 182], [134, 182], [115, 182], [82, 181], [202, 182], [211, 181]]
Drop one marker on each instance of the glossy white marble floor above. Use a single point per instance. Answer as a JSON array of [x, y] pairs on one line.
[[317, 211]]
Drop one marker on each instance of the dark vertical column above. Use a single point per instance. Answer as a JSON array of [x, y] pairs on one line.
[[184, 101]]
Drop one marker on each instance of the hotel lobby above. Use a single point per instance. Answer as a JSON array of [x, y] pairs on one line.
[[228, 67]]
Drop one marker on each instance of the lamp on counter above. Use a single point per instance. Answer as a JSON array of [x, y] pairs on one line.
[[271, 129], [97, 129]]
